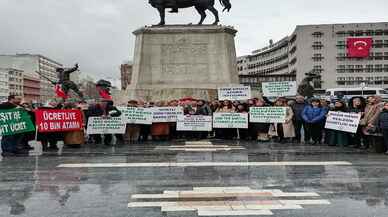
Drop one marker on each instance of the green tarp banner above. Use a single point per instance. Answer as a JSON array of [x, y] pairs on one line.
[[15, 121]]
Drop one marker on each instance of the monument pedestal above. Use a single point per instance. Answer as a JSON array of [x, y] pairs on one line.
[[172, 62]]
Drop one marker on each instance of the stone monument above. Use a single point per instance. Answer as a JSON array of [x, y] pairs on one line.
[[176, 61]]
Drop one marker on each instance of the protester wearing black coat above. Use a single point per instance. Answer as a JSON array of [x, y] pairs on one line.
[[383, 124]]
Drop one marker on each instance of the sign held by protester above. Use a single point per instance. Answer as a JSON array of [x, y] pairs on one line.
[[194, 123], [234, 93], [279, 89], [106, 125], [15, 121], [230, 120], [166, 114], [53, 120], [267, 114], [135, 115], [347, 122]]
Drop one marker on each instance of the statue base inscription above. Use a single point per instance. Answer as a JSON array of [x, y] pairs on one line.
[[173, 62]]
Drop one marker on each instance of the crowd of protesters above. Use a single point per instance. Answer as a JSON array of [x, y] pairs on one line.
[[304, 123]]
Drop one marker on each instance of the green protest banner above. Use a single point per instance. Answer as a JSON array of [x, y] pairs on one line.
[[15, 121]]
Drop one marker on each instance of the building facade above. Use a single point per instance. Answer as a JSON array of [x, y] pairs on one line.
[[126, 74], [35, 66], [31, 88], [4, 86], [15, 82], [322, 50], [88, 88]]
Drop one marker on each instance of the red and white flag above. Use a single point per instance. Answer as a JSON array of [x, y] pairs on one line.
[[359, 47]]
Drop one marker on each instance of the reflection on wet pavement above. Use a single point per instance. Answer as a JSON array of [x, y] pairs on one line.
[[321, 181]]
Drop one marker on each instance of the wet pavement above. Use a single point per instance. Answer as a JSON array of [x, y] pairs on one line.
[[206, 178]]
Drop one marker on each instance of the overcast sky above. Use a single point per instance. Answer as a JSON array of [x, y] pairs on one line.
[[97, 33]]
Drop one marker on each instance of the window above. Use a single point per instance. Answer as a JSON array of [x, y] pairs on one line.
[[317, 57], [354, 93], [359, 33], [317, 34], [378, 78], [350, 68], [369, 32], [385, 55], [369, 92], [378, 44], [379, 32], [379, 68], [359, 78], [359, 68], [341, 34], [317, 45], [386, 68], [341, 56], [341, 44], [378, 56], [341, 79]]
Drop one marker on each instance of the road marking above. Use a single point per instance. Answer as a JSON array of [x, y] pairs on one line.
[[205, 164], [211, 193], [234, 213], [198, 143], [199, 147], [227, 201]]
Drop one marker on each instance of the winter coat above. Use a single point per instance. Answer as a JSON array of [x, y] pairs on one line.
[[298, 108], [371, 114], [288, 126], [7, 105], [383, 120], [204, 110], [313, 115]]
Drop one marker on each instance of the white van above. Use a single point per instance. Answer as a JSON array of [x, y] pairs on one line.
[[348, 93]]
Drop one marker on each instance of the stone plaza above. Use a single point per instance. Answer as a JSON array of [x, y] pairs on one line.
[[195, 178]]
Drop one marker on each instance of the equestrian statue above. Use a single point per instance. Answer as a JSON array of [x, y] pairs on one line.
[[200, 5]]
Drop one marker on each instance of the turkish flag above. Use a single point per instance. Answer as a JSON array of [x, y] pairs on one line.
[[104, 93], [59, 92], [359, 47]]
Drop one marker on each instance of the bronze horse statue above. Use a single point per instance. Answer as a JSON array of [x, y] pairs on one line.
[[200, 5]]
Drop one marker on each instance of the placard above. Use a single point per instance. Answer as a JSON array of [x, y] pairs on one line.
[[347, 122], [53, 120], [134, 115], [230, 120], [278, 89], [15, 121], [166, 114], [234, 93], [106, 125], [267, 114], [194, 123]]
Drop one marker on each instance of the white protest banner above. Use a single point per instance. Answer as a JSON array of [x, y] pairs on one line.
[[134, 115], [234, 93], [347, 122], [166, 114], [194, 123], [267, 114], [106, 125], [230, 120], [277, 89]]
